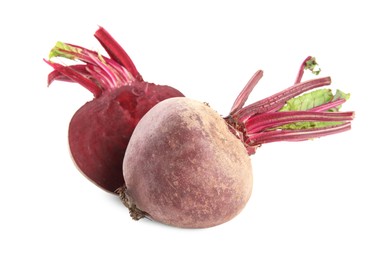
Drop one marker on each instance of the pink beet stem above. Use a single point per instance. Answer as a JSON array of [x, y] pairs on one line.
[[244, 94], [99, 73], [56, 75], [327, 106], [262, 122], [302, 70], [295, 135], [76, 76], [278, 100], [116, 52]]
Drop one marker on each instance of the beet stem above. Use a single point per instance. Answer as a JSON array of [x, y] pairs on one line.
[[309, 63], [328, 106], [56, 75], [98, 74], [74, 74], [260, 122], [244, 94], [116, 52], [292, 135], [278, 100], [265, 121]]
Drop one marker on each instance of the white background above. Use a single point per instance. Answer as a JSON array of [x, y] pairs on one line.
[[323, 199]]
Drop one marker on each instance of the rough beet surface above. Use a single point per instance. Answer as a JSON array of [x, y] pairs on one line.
[[183, 167]]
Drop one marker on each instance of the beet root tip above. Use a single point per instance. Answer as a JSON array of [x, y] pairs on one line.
[[135, 213]]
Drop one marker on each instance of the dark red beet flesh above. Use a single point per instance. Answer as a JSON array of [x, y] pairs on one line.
[[100, 130]]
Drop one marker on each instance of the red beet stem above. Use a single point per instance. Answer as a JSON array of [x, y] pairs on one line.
[[265, 122], [292, 135], [243, 96], [116, 52], [302, 70], [278, 100], [57, 75], [260, 122], [328, 106], [97, 73], [74, 74]]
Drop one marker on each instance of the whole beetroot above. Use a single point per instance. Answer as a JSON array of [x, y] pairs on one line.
[[190, 171], [186, 166], [100, 130]]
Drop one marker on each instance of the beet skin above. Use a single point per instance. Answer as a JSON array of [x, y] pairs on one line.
[[183, 167]]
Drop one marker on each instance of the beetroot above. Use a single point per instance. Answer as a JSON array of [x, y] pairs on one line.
[[100, 130], [190, 172], [186, 166]]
